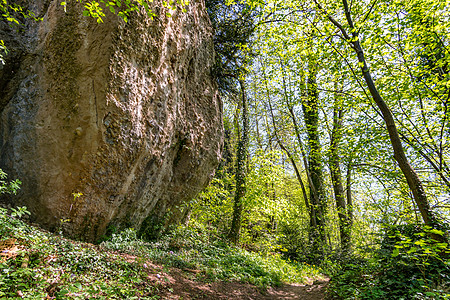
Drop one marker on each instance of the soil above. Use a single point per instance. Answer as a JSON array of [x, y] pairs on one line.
[[179, 284]]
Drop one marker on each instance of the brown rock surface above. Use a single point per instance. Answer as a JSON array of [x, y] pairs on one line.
[[125, 113]]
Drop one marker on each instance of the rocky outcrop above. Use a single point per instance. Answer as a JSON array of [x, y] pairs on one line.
[[125, 113]]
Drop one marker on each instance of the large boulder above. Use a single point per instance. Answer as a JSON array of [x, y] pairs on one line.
[[125, 113]]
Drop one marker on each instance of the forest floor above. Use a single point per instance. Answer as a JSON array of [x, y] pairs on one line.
[[185, 264], [180, 284]]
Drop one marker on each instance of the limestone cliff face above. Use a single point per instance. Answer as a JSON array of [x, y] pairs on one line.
[[125, 113]]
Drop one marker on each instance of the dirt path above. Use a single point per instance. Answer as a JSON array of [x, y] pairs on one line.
[[176, 284]]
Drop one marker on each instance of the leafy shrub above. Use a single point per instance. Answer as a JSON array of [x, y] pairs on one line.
[[8, 187], [409, 265]]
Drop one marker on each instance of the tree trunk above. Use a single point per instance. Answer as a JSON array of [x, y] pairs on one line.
[[336, 179], [349, 197], [312, 189], [310, 106], [413, 180], [241, 169], [291, 159]]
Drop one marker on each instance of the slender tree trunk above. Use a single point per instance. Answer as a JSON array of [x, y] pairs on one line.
[[336, 178], [291, 159], [413, 180], [312, 189], [241, 169], [349, 198]]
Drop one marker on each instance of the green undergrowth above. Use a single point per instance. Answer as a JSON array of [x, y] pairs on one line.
[[194, 247], [43, 265], [409, 264], [46, 266]]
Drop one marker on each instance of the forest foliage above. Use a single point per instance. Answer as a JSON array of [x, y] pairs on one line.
[[345, 109], [337, 127]]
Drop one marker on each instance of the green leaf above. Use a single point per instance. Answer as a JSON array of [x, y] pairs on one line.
[[420, 243], [442, 245], [436, 231], [396, 252], [412, 250]]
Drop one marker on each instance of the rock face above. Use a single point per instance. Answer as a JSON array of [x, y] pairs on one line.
[[125, 113]]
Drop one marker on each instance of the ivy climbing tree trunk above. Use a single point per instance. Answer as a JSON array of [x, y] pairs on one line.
[[313, 193], [310, 107], [241, 169]]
